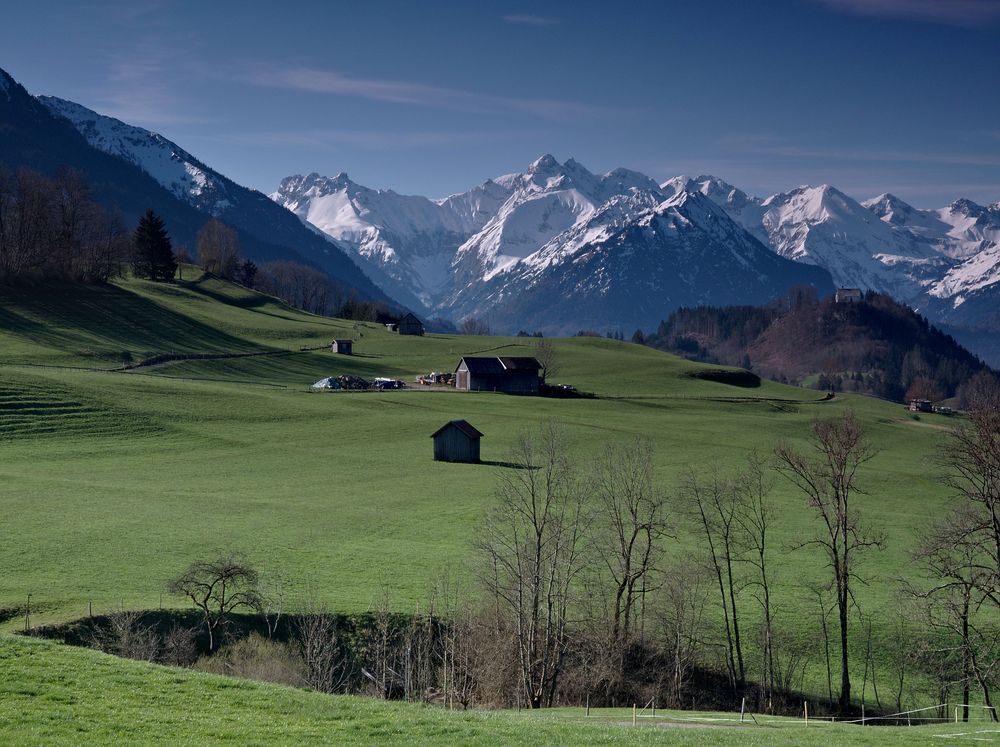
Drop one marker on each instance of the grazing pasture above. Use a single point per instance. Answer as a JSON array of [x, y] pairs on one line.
[[114, 475]]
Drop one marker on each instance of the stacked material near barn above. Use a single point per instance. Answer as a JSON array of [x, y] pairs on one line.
[[456, 441]]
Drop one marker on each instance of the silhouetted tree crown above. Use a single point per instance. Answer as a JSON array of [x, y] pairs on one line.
[[153, 257]]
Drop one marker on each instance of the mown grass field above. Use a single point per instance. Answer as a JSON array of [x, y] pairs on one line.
[[56, 695], [113, 481]]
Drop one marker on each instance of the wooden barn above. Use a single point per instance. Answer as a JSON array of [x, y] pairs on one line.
[[456, 441], [513, 375], [410, 325], [344, 347]]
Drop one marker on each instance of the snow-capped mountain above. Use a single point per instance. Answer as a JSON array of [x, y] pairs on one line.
[[503, 248], [409, 242], [556, 218], [631, 260]]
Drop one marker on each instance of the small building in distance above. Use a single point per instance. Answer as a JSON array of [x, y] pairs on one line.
[[513, 375], [344, 347], [456, 441], [848, 295], [410, 325], [390, 327], [921, 405]]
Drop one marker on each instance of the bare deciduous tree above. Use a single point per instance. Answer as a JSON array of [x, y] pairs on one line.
[[681, 620], [629, 524], [754, 514], [716, 505], [328, 666], [531, 552], [217, 587], [828, 477], [218, 249], [475, 325], [548, 358]]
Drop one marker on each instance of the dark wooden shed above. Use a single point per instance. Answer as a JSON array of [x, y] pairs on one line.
[[344, 347], [410, 325], [456, 441]]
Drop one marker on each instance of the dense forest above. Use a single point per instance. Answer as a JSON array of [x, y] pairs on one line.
[[877, 346]]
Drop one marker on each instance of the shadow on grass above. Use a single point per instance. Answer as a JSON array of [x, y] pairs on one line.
[[505, 465], [79, 317]]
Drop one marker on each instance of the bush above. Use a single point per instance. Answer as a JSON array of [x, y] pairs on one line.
[[257, 658]]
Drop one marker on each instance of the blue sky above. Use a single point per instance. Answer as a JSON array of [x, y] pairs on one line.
[[433, 97]]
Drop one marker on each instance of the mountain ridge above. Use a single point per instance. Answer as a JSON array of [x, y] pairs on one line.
[[33, 136]]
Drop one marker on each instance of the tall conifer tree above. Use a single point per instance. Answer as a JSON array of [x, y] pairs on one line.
[[153, 257]]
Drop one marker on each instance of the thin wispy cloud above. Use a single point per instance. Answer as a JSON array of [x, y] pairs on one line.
[[139, 83], [526, 19], [968, 13], [334, 139], [335, 83], [878, 154]]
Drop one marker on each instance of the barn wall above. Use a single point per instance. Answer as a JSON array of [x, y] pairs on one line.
[[451, 445], [511, 382]]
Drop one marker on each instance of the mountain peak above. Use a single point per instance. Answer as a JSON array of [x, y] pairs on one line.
[[966, 207], [544, 164]]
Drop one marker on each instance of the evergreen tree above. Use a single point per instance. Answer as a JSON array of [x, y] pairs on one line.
[[153, 257]]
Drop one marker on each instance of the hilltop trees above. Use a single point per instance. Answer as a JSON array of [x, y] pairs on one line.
[[153, 256], [828, 479]]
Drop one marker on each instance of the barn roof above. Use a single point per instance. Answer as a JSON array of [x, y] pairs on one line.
[[411, 317], [491, 365], [520, 363], [462, 425]]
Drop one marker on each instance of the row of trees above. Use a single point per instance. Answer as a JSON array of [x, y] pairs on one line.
[[52, 229]]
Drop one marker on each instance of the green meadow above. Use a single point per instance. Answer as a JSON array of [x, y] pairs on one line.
[[57, 695], [113, 478]]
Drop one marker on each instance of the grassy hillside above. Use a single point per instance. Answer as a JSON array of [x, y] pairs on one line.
[[114, 481], [52, 694]]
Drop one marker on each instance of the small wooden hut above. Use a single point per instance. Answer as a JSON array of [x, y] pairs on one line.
[[456, 441], [344, 347]]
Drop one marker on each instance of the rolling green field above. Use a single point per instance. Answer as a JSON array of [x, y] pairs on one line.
[[53, 694], [112, 481]]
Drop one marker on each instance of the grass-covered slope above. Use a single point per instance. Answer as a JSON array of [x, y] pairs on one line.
[[57, 695], [112, 482]]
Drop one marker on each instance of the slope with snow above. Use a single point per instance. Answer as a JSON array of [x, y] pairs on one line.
[[630, 263], [173, 167], [409, 241]]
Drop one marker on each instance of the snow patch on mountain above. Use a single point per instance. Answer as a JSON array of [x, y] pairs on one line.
[[171, 166]]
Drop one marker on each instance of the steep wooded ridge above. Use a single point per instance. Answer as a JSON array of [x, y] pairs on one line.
[[49, 134], [876, 346]]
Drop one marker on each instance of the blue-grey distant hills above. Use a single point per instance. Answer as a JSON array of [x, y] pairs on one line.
[[130, 169]]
